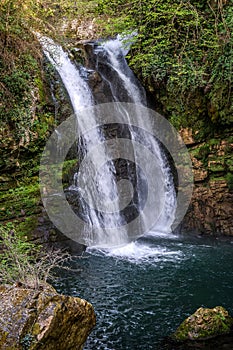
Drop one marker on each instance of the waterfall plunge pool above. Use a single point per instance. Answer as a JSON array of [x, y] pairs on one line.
[[142, 292]]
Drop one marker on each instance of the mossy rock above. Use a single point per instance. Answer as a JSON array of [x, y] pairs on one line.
[[43, 319], [68, 170], [20, 201], [204, 324]]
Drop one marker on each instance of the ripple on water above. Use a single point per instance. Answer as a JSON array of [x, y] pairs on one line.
[[142, 291]]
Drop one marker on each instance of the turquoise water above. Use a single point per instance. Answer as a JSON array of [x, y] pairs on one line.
[[143, 291]]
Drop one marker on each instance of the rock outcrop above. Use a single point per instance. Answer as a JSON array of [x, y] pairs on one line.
[[43, 319], [20, 200], [211, 209], [204, 324]]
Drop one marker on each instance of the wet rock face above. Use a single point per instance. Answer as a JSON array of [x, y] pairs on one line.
[[204, 324], [102, 77], [211, 209], [32, 319]]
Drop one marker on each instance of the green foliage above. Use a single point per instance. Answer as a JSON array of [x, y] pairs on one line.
[[203, 153], [19, 18], [24, 262], [15, 260], [20, 201], [183, 54], [68, 170], [20, 54], [229, 178], [16, 98]]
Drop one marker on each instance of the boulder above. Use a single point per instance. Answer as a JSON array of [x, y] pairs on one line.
[[43, 319], [204, 324]]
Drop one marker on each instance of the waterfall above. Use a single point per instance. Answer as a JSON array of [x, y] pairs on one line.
[[104, 184], [111, 53]]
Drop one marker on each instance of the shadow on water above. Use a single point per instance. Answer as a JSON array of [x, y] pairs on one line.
[[224, 342]]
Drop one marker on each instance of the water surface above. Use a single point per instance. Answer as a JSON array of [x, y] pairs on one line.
[[141, 292]]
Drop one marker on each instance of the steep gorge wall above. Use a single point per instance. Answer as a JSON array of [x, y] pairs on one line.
[[211, 147], [22, 140], [211, 209]]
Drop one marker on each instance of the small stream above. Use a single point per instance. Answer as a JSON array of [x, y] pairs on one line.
[[142, 291]]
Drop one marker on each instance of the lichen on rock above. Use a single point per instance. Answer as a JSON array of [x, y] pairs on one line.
[[33, 320], [204, 324]]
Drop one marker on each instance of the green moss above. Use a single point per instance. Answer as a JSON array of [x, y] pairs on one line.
[[215, 177], [229, 179], [36, 329], [217, 168], [26, 226], [68, 170], [214, 142], [229, 163], [203, 153], [19, 201], [41, 90], [216, 157], [204, 324]]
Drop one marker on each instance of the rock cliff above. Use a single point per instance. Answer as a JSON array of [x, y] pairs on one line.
[[211, 210]]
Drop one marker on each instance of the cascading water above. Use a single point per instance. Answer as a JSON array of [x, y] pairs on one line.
[[143, 289], [122, 85], [111, 54]]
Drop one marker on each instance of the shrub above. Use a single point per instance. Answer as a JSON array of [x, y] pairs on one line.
[[182, 54], [26, 263]]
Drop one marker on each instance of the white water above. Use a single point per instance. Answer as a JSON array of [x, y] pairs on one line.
[[116, 50], [105, 186], [76, 86], [137, 252]]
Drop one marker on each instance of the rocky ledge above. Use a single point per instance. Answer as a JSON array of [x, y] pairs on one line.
[[43, 319]]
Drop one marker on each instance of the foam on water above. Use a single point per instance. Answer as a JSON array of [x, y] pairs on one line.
[[138, 253]]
